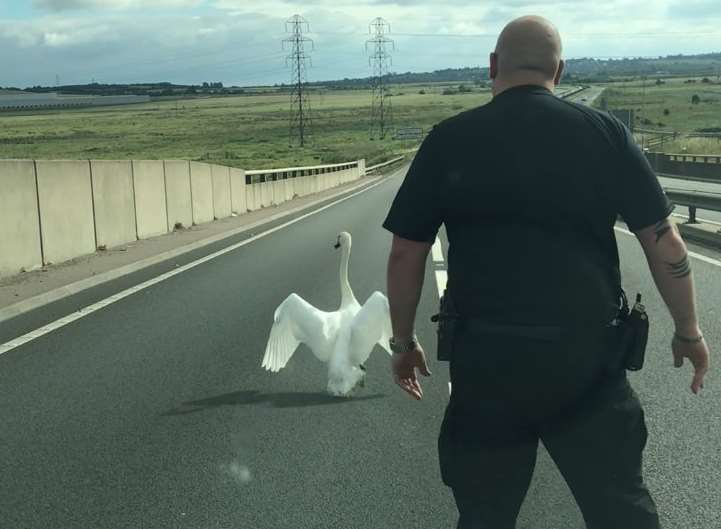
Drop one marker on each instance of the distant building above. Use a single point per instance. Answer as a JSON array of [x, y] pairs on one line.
[[29, 101]]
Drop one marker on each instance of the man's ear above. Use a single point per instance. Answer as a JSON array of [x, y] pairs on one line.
[[493, 70], [559, 72]]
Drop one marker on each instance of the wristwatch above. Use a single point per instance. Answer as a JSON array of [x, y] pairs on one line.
[[402, 347]]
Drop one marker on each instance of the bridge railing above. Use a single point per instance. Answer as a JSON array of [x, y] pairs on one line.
[[373, 168], [694, 167]]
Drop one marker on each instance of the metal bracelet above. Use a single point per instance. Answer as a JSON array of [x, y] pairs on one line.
[[684, 339]]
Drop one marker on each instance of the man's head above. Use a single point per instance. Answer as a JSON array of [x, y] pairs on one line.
[[528, 52]]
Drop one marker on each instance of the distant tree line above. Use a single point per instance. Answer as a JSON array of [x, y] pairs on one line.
[[583, 70], [151, 89]]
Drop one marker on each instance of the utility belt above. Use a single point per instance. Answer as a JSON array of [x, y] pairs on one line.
[[629, 330]]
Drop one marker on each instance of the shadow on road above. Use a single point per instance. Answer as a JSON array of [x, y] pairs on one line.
[[288, 399]]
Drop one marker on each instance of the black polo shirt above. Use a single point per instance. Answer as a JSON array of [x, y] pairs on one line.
[[529, 187]]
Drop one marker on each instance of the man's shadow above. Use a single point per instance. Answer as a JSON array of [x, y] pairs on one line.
[[287, 399]]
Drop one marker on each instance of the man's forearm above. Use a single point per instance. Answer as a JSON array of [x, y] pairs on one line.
[[671, 269], [405, 283]]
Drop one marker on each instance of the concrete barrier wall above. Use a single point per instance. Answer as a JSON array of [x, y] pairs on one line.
[[251, 196], [201, 189], [288, 188], [58, 210], [238, 200], [151, 212], [65, 201], [221, 191], [266, 194], [178, 193], [278, 192], [113, 202], [20, 247]]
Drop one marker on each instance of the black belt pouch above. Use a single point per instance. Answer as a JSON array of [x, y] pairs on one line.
[[633, 327], [448, 321]]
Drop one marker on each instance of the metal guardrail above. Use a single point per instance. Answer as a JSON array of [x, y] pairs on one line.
[[572, 92], [695, 200], [384, 164], [271, 175]]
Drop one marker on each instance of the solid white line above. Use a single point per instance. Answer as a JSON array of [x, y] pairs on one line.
[[700, 257], [707, 221], [441, 281], [437, 251], [62, 322]]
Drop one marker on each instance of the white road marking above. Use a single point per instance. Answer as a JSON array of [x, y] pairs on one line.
[[700, 257], [437, 252], [86, 311], [441, 281], [707, 221], [441, 275]]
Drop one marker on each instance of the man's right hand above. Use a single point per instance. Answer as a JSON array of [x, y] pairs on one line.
[[698, 355]]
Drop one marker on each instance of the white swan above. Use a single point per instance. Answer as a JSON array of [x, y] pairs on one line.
[[343, 339]]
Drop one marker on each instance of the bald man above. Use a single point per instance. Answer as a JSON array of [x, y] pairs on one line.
[[529, 188]]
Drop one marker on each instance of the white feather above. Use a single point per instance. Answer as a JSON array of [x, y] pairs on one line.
[[344, 339]]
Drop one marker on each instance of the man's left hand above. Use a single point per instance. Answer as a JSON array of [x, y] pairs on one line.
[[404, 370]]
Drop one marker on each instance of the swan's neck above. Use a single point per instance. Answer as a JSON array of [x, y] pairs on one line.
[[346, 293]]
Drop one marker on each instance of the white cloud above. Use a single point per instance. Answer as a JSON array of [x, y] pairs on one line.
[[238, 41], [65, 5]]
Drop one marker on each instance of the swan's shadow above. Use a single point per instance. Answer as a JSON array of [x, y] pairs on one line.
[[284, 399]]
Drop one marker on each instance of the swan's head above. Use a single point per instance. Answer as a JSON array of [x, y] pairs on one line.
[[343, 240]]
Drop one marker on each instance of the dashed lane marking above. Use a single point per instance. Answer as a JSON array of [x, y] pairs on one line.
[[437, 252], [441, 275]]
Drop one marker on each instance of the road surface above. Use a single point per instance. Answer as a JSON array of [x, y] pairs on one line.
[[154, 412]]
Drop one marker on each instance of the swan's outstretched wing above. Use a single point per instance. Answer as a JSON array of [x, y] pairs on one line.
[[296, 321], [372, 325]]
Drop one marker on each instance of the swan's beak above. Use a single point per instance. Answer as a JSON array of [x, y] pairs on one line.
[[336, 245]]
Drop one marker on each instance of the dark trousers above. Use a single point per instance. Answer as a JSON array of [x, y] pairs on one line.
[[508, 392]]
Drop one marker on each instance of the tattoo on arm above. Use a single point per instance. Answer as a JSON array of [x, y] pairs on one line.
[[680, 269], [661, 229]]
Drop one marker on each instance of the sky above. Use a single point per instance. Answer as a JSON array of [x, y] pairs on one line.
[[239, 42]]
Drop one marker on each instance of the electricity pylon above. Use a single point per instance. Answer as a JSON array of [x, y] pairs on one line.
[[380, 47], [300, 117]]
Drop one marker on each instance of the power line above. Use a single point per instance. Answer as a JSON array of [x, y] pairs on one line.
[[300, 117], [381, 108]]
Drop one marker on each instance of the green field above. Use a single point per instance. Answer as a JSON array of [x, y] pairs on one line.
[[242, 131], [669, 107], [251, 131]]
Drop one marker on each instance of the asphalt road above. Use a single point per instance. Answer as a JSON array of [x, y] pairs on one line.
[[154, 411], [588, 96]]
